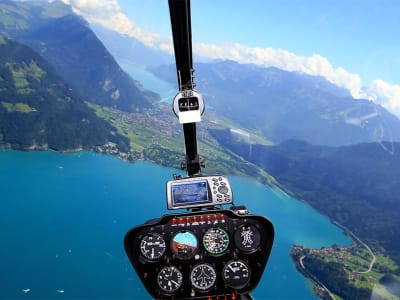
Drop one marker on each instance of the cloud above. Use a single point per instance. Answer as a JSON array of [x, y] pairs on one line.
[[380, 92], [385, 94], [269, 57], [110, 15]]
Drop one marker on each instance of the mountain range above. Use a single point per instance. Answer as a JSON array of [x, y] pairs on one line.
[[66, 41], [284, 105], [356, 185], [38, 109], [128, 49], [52, 65], [337, 153]]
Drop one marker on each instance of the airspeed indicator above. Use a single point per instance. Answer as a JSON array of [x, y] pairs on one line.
[[152, 246]]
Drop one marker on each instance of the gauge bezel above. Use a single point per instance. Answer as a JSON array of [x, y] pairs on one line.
[[159, 255], [210, 285], [225, 246], [238, 239], [226, 267], [170, 269], [175, 251]]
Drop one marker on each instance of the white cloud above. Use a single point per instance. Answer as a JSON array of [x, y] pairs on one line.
[[109, 14], [313, 65], [385, 94]]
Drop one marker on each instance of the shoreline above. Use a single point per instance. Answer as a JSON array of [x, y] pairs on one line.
[[108, 149], [118, 155], [319, 288], [353, 265]]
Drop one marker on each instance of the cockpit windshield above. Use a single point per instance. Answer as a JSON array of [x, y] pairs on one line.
[[296, 102]]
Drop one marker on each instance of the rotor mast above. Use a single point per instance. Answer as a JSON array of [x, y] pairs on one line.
[[182, 37]]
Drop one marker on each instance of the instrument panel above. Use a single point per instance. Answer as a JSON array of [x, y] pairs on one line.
[[200, 254]]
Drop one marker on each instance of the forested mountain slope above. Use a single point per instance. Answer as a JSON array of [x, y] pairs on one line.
[[356, 185], [66, 41], [38, 109]]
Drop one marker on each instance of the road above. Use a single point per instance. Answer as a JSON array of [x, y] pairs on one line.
[[315, 279], [373, 260]]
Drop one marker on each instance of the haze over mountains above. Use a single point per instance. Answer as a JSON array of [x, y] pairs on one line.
[[287, 105], [70, 46], [43, 89], [127, 48], [62, 59], [355, 185], [294, 105]]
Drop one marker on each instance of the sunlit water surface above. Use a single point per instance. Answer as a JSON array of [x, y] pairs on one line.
[[63, 218]]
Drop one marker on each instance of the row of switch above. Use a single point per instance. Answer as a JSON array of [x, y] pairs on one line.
[[196, 220]]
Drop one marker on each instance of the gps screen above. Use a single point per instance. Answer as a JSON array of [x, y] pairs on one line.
[[192, 192]]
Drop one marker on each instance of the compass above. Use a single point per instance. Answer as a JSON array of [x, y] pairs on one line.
[[203, 277], [216, 240], [152, 246], [169, 279], [236, 274]]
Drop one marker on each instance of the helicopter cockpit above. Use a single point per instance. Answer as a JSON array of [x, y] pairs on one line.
[[207, 251]]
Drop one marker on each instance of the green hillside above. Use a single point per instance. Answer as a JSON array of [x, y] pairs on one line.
[[66, 41], [357, 185], [38, 110]]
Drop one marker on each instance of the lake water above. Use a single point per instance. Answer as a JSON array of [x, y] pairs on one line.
[[149, 81], [63, 218]]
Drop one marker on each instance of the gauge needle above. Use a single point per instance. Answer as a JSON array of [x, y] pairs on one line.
[[233, 269], [174, 282]]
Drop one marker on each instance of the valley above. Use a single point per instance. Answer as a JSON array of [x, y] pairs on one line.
[[157, 136], [61, 89]]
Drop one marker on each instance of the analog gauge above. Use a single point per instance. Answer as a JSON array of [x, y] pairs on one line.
[[247, 238], [236, 274], [169, 279], [203, 277], [184, 245], [152, 246], [216, 241]]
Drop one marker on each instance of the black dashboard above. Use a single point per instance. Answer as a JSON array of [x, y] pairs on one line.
[[209, 254]]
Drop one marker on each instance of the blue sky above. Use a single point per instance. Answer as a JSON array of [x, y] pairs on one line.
[[352, 43], [359, 35]]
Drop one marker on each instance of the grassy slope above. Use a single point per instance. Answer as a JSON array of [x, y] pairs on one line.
[[159, 137]]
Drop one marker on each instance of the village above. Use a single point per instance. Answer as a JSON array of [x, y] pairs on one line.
[[356, 269]]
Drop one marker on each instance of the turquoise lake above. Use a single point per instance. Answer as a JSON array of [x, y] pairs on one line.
[[63, 218]]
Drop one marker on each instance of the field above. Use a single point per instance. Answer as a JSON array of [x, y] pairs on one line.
[[158, 136]]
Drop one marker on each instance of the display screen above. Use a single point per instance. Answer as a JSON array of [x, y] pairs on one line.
[[193, 192]]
